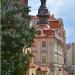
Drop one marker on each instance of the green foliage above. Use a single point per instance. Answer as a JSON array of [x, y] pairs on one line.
[[16, 33]]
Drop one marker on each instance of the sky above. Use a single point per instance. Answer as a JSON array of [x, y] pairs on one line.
[[61, 9]]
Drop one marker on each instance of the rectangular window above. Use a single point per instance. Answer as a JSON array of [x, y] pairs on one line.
[[43, 59], [43, 44]]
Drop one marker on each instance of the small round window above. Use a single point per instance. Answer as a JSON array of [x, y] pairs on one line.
[[38, 32]]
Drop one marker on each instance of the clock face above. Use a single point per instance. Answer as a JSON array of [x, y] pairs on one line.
[[38, 32]]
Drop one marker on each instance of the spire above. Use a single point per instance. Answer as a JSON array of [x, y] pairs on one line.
[[43, 9], [43, 13], [43, 2]]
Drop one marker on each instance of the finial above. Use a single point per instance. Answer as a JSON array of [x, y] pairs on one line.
[[43, 2]]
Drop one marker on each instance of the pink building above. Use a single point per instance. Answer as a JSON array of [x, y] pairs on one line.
[[49, 45]]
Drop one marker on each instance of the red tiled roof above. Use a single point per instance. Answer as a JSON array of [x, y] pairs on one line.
[[50, 18], [54, 24]]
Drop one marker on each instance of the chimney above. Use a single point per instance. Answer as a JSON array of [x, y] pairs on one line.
[[24, 2], [52, 15]]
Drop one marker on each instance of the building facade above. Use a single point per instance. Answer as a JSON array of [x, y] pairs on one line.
[[70, 58], [48, 46]]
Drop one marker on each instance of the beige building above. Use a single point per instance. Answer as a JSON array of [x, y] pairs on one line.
[[70, 58]]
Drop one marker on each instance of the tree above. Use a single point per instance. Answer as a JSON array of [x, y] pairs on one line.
[[16, 33]]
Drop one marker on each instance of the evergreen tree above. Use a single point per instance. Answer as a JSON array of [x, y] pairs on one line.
[[16, 33]]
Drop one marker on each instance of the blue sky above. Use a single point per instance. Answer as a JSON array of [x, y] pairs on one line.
[[61, 9]]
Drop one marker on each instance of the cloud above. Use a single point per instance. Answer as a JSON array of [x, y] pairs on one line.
[[33, 12], [69, 30], [54, 6], [58, 6], [34, 4], [70, 34]]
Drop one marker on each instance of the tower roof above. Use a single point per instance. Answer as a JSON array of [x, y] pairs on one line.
[[43, 13]]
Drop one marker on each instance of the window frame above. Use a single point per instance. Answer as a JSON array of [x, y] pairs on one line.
[[44, 59], [43, 44]]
